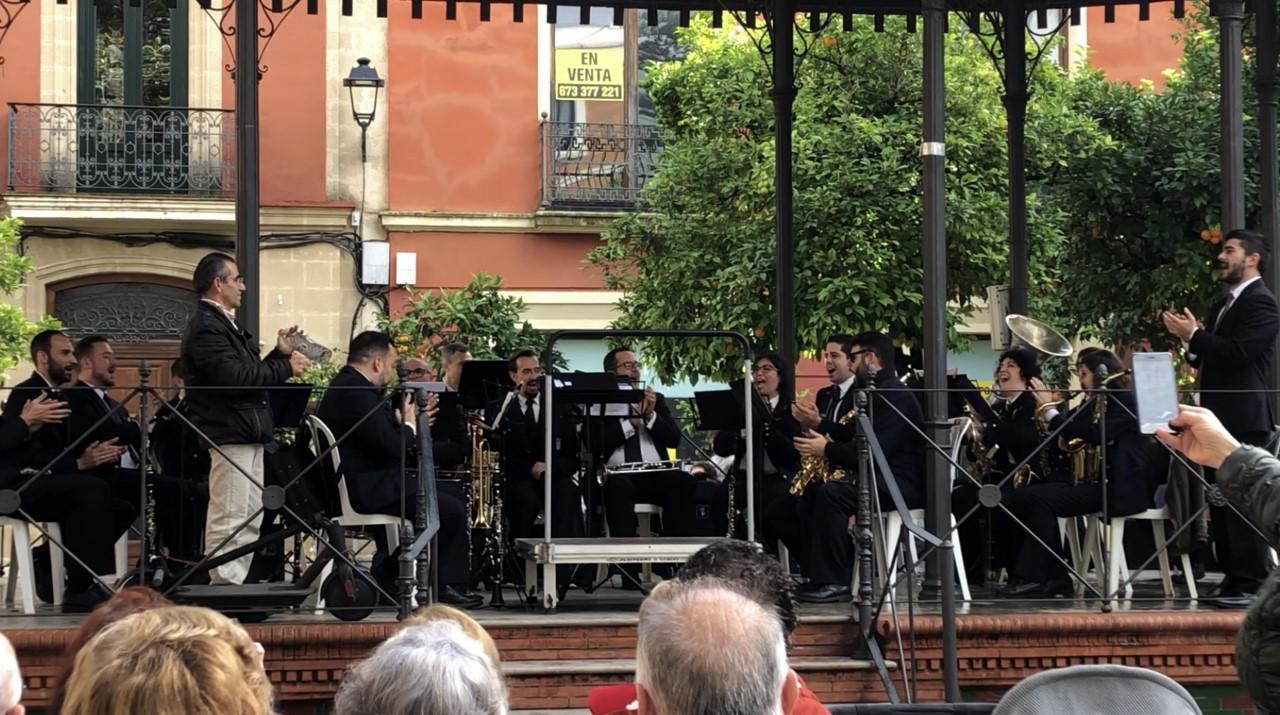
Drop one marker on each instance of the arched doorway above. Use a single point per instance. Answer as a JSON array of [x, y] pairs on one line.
[[144, 317]]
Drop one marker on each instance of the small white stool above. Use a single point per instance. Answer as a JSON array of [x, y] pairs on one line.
[[644, 515]]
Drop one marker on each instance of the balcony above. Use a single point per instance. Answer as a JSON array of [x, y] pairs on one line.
[[600, 167], [80, 148]]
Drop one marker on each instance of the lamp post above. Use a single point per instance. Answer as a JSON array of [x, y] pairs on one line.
[[364, 103]]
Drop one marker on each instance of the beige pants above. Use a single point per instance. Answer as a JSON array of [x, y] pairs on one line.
[[232, 500]]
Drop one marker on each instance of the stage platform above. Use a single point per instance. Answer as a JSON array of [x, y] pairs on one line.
[[553, 660]]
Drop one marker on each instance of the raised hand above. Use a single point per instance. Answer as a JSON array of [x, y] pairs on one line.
[[98, 454], [1199, 435], [806, 413], [298, 362], [43, 410]]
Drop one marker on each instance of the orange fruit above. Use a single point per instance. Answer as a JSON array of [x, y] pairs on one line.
[[1206, 234]]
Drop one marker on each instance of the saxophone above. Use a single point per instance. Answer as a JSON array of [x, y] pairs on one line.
[[816, 468]]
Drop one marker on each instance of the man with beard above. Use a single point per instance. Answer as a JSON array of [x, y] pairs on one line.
[[91, 520], [1233, 352], [816, 525]]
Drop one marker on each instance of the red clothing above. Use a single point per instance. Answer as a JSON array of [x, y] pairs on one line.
[[614, 699]]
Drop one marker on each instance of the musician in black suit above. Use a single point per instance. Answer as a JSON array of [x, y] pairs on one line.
[[34, 426], [645, 438], [776, 459], [1032, 572], [371, 455], [522, 433], [1233, 352], [182, 454], [450, 437]]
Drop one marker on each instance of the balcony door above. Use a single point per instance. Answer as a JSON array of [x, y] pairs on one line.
[[131, 86]]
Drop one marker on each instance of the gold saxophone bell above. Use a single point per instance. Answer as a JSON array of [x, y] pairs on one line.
[[816, 468]]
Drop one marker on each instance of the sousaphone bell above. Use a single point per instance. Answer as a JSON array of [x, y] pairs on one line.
[[1038, 337]]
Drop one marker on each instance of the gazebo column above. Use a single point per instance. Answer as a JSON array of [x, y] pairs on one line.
[[1015, 107], [247, 163], [783, 95], [941, 570], [1230, 14], [1265, 22]]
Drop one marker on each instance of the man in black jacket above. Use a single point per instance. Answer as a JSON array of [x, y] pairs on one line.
[[372, 454], [524, 462], [1233, 353], [227, 395], [90, 519], [819, 529]]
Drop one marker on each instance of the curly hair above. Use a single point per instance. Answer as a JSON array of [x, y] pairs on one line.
[[177, 659], [747, 568]]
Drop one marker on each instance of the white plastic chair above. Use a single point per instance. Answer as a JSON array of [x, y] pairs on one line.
[[22, 571], [1098, 689], [349, 518], [1119, 567]]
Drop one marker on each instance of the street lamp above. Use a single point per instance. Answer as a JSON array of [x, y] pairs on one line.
[[364, 103]]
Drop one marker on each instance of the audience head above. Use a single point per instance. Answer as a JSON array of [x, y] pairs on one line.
[[217, 278], [167, 660], [53, 356], [374, 354], [97, 361], [452, 356], [10, 680], [125, 602], [416, 369], [470, 626], [1243, 255], [746, 567], [430, 669], [703, 647], [525, 370]]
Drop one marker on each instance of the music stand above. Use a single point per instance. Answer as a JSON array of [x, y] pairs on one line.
[[482, 382], [719, 410], [289, 404], [968, 392]]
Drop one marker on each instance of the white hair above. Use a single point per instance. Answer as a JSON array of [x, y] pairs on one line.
[[705, 648], [10, 676], [429, 669]]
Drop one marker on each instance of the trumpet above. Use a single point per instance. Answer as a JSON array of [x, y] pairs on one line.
[[484, 467]]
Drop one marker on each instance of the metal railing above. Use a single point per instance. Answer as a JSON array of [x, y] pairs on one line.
[[597, 166], [62, 148]]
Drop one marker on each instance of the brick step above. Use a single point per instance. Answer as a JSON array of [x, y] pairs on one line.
[[627, 666]]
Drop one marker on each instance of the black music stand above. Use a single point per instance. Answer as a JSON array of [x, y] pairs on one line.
[[289, 404], [961, 390], [719, 410], [595, 391], [482, 382]]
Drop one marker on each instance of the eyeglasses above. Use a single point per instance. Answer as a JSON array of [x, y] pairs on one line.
[[758, 369], [416, 371], [630, 365]]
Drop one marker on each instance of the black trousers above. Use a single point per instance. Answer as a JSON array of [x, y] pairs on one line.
[[451, 540], [1240, 552], [988, 537], [1039, 506], [815, 527], [523, 500], [674, 491], [91, 521]]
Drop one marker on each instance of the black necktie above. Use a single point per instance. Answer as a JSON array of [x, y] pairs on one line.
[[530, 420], [1226, 305]]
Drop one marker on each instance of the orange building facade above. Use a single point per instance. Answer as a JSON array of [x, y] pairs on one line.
[[503, 147]]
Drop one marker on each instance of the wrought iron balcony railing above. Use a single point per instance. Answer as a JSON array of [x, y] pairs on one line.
[[118, 149], [597, 166]]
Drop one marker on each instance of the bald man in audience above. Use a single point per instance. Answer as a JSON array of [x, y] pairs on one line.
[[705, 648], [10, 680]]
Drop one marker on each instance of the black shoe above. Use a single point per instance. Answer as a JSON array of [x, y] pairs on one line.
[[84, 601], [1061, 588], [453, 597], [824, 593], [1236, 602]]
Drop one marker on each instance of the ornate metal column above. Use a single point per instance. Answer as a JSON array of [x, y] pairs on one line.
[[248, 158], [783, 95], [1268, 182], [1015, 107], [1230, 14]]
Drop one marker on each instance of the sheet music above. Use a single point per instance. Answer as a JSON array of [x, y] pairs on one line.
[[621, 409]]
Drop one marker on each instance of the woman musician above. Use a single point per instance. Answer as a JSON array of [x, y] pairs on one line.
[[1004, 435], [1039, 506], [776, 459]]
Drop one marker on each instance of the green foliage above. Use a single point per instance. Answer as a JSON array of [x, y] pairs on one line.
[[1139, 197], [477, 315], [15, 330], [704, 256]]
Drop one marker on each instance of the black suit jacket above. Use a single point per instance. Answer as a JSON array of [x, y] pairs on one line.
[[665, 433], [371, 454], [1127, 452], [1235, 354], [1015, 431], [450, 438], [14, 436], [775, 429], [87, 408], [522, 447], [830, 424], [47, 443], [220, 354], [903, 447]]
